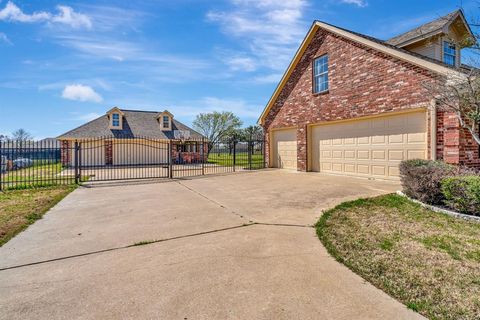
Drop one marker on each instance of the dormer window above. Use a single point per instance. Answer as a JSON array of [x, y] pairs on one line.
[[449, 53], [115, 120], [166, 122]]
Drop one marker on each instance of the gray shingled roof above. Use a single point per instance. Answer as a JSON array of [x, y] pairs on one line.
[[136, 124], [427, 28]]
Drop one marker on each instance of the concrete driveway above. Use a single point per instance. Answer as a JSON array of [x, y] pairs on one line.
[[209, 261]]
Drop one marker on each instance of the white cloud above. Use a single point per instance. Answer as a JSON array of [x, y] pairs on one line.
[[269, 78], [241, 63], [69, 17], [238, 106], [359, 3], [4, 38], [271, 30], [81, 92], [66, 16]]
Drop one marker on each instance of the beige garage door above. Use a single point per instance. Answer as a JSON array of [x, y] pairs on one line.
[[371, 147], [139, 152], [92, 153], [284, 149]]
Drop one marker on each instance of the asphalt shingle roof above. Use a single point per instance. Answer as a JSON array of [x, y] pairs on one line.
[[136, 124], [424, 29]]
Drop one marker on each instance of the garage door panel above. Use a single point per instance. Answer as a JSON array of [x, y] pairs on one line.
[[369, 147], [416, 137], [284, 147], [415, 154], [378, 155], [363, 154]]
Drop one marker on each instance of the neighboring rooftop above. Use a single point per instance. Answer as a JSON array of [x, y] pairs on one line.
[[427, 29], [136, 124]]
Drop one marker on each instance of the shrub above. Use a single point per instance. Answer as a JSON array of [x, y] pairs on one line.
[[421, 179], [462, 193]]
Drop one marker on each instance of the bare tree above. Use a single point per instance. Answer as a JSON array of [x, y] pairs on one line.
[[21, 135], [459, 92]]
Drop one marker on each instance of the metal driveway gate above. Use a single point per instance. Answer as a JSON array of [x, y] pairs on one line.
[[109, 159]]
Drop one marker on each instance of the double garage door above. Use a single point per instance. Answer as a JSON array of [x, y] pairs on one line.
[[369, 148]]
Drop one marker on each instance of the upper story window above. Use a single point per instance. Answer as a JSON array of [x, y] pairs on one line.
[[166, 121], [115, 120], [449, 53], [320, 74]]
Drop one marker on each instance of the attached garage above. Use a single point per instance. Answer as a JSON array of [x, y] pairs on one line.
[[369, 147], [284, 149]]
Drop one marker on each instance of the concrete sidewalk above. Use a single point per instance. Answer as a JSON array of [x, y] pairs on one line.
[[213, 264]]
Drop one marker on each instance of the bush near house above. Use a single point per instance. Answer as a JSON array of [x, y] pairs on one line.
[[438, 183], [462, 193], [421, 179]]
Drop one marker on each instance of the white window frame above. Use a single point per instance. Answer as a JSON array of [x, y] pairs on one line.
[[444, 53], [320, 78]]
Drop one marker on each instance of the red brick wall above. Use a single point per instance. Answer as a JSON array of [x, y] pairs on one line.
[[362, 82]]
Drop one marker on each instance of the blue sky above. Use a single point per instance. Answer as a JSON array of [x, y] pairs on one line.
[[63, 63]]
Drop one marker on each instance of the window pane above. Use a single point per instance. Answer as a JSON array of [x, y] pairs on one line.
[[449, 53], [320, 74]]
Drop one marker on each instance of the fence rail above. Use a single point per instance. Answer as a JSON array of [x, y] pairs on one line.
[[25, 164]]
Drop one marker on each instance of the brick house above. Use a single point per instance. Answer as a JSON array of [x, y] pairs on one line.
[[351, 104], [132, 137]]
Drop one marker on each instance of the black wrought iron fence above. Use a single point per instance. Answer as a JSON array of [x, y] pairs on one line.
[[50, 162], [26, 164]]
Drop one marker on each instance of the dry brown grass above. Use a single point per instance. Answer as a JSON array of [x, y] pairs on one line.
[[428, 261], [20, 208]]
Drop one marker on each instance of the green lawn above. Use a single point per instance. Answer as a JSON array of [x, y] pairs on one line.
[[427, 260], [37, 175], [241, 159], [20, 208]]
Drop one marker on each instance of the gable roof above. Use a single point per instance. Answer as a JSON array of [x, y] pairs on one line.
[[136, 124], [429, 29], [371, 42]]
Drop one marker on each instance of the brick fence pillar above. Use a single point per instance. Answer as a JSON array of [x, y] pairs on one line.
[[108, 152], [65, 152]]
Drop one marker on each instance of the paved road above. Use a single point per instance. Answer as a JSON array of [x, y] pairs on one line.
[[212, 262]]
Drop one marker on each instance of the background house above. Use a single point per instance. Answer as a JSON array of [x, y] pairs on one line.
[[132, 137]]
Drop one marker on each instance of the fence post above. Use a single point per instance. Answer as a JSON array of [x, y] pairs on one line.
[[77, 161], [1, 166], [264, 155], [234, 154], [80, 161], [249, 144], [203, 156], [170, 160]]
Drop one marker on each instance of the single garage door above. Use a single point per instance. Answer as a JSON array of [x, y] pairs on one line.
[[140, 152], [284, 149], [370, 147]]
